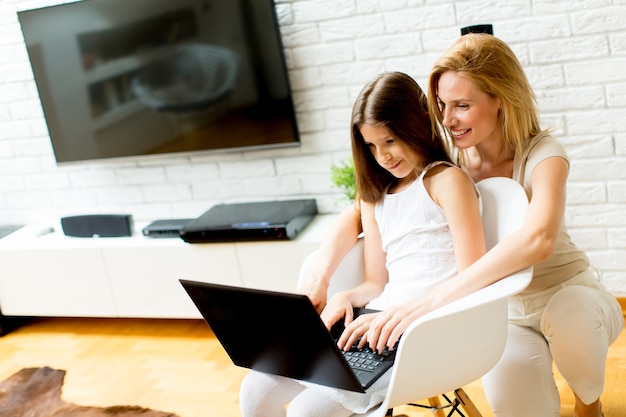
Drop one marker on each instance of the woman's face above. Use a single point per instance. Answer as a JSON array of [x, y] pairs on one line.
[[390, 153], [469, 113]]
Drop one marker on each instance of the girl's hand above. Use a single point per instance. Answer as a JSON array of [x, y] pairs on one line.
[[356, 332], [338, 307]]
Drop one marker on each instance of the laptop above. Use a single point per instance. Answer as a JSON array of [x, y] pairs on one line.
[[263, 220], [282, 334]]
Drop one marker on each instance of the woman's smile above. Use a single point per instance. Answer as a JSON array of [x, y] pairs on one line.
[[459, 133]]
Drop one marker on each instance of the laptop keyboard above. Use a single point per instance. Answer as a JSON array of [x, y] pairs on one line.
[[365, 359]]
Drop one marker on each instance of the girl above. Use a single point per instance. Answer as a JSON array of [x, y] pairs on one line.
[[421, 222]]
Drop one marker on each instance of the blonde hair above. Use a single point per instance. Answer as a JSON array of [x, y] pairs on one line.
[[493, 67]]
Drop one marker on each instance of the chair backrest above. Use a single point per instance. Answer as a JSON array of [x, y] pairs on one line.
[[504, 208]]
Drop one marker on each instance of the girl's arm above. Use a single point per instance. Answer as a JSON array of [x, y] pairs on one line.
[[341, 237], [376, 276]]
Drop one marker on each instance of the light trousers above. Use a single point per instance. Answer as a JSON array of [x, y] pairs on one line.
[[572, 324], [264, 395]]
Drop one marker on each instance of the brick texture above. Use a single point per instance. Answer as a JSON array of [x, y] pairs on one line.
[[574, 54]]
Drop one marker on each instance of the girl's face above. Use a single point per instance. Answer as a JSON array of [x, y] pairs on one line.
[[469, 113], [390, 153]]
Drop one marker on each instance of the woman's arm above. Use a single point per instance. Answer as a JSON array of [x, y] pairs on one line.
[[536, 239], [341, 237], [531, 244]]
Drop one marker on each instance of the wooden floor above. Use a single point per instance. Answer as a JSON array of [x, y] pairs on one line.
[[177, 366]]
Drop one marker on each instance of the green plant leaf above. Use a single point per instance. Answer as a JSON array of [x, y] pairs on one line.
[[342, 175]]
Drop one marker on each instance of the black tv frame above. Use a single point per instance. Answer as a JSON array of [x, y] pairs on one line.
[[92, 79]]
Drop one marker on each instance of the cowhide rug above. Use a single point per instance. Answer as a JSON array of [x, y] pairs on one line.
[[36, 392]]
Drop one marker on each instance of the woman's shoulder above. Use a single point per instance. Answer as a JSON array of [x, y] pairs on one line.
[[540, 148], [543, 147], [546, 144]]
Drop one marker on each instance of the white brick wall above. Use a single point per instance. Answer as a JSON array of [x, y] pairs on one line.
[[574, 53]]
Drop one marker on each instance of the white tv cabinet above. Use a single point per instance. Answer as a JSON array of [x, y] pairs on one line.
[[53, 275]]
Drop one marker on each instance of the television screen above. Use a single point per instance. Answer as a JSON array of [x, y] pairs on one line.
[[122, 78]]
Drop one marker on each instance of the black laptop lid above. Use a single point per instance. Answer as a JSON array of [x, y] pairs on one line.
[[272, 332]]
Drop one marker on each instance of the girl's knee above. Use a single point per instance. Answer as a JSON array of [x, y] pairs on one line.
[[264, 395]]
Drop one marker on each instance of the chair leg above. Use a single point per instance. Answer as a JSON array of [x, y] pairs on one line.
[[467, 404], [436, 402]]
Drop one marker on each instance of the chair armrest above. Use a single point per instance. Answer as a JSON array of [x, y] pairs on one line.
[[349, 272]]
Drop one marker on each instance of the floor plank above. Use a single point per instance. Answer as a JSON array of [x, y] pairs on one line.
[[178, 366]]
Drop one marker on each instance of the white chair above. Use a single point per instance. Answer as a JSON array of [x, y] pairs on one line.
[[458, 343]]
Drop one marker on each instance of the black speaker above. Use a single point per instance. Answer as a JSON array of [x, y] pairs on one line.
[[98, 225], [488, 28]]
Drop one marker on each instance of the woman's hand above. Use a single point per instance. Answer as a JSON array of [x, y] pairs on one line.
[[356, 331], [387, 326]]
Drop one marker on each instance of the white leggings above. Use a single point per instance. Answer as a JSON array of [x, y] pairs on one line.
[[572, 324], [263, 395]]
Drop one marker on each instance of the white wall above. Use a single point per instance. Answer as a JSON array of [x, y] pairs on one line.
[[574, 53]]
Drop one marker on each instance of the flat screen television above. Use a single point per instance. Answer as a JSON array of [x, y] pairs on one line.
[[120, 78]]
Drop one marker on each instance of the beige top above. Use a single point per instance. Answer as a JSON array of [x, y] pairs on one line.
[[567, 259]]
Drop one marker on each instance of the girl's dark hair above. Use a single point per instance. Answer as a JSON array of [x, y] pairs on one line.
[[396, 101]]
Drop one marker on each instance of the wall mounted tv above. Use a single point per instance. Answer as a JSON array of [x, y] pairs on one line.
[[121, 78]]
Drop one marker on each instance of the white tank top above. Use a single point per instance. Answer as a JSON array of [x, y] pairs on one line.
[[418, 243]]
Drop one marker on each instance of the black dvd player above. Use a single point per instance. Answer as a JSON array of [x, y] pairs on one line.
[[267, 220], [165, 228]]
